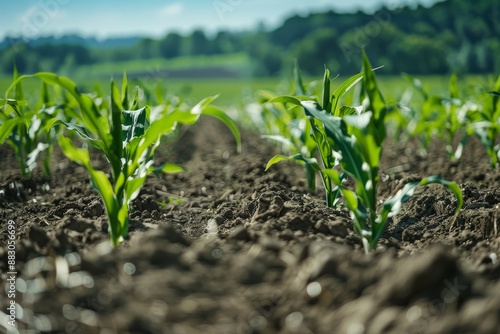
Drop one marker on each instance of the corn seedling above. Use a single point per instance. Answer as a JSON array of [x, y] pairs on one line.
[[128, 136], [486, 123], [445, 117], [314, 132], [25, 129], [291, 129], [355, 141]]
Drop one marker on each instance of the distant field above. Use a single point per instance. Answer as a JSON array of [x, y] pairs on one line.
[[237, 91], [230, 65]]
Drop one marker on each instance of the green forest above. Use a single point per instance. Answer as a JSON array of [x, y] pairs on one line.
[[451, 36]]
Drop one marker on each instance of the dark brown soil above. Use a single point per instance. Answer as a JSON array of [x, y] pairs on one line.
[[229, 248]]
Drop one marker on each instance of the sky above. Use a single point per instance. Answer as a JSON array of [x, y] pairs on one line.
[[155, 18]]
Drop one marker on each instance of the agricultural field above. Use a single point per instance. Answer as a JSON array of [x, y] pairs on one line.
[[315, 205]]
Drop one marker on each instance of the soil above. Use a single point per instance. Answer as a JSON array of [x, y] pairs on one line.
[[230, 248]]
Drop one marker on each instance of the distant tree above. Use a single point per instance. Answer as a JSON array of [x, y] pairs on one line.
[[121, 54], [492, 52], [267, 58], [225, 42], [171, 45], [198, 43], [147, 48], [451, 35], [316, 50], [293, 29], [419, 54]]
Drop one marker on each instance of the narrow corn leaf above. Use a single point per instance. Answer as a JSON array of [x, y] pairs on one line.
[[311, 177], [347, 111], [125, 102], [274, 160], [135, 124], [299, 157], [116, 131], [299, 84], [286, 99], [224, 118], [82, 131], [376, 103], [6, 128], [326, 92], [18, 93], [133, 188], [168, 168], [14, 102], [342, 90], [198, 108]]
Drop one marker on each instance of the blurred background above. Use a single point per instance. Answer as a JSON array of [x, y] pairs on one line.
[[229, 45]]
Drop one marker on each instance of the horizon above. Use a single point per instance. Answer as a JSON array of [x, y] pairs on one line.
[[57, 18]]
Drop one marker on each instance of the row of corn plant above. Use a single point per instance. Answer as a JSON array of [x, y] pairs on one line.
[[304, 134], [485, 122], [290, 129], [444, 117], [453, 118], [126, 134], [24, 127], [349, 141]]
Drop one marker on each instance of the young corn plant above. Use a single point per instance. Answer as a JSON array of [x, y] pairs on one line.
[[445, 117], [314, 132], [291, 129], [25, 129], [128, 137], [356, 141], [486, 123]]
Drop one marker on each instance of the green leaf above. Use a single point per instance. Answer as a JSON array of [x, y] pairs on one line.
[[286, 99], [169, 168], [6, 128], [326, 91], [82, 131], [298, 157], [274, 160], [342, 90], [18, 93], [376, 102], [299, 85], [124, 102], [135, 124], [453, 86], [116, 131], [224, 118], [347, 111], [311, 177], [14, 102], [198, 109]]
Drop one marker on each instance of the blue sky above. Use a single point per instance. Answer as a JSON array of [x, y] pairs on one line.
[[99, 18]]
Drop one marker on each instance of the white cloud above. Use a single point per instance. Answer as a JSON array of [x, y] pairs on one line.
[[172, 9]]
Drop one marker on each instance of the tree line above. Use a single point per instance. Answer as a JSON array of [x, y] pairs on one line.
[[451, 36]]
